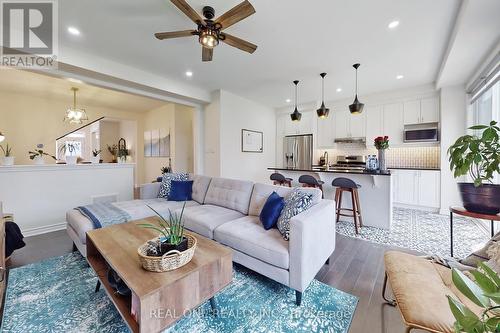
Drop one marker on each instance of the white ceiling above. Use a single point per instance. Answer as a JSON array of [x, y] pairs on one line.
[[297, 40], [43, 86]]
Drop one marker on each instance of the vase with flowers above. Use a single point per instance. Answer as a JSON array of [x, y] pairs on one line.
[[381, 143]]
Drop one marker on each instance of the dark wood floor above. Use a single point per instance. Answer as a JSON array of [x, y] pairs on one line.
[[356, 267]]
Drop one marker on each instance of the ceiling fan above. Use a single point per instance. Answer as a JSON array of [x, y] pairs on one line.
[[209, 31]]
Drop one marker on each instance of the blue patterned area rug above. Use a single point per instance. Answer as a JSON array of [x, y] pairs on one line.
[[57, 295], [423, 231]]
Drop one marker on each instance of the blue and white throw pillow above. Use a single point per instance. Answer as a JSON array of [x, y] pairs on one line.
[[295, 203], [166, 183]]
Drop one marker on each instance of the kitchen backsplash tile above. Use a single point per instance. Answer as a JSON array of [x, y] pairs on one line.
[[401, 157]]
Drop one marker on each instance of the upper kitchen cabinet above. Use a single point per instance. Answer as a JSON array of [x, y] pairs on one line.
[[393, 123], [349, 125], [421, 111], [374, 122], [326, 131]]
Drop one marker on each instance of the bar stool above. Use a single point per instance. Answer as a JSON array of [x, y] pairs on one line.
[[310, 181], [279, 179], [347, 185]]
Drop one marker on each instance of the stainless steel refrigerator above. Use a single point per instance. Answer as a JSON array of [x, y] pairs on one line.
[[298, 151]]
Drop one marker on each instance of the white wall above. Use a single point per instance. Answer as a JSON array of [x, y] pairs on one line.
[[225, 118], [453, 125]]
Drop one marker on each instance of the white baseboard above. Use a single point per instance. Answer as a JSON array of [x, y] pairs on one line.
[[43, 229]]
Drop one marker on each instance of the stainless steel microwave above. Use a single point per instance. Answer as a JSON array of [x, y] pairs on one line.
[[421, 133]]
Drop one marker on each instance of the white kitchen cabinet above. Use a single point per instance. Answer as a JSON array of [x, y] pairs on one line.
[[304, 126], [326, 131], [393, 123], [421, 111], [416, 187], [429, 110], [349, 125], [374, 123]]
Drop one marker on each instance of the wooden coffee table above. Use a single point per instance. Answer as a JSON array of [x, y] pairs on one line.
[[158, 299]]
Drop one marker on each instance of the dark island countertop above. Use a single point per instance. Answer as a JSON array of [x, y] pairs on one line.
[[333, 170]]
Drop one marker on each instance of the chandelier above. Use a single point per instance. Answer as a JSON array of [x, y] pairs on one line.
[[75, 115]]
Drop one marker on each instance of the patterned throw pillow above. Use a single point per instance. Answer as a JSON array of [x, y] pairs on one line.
[[166, 183], [296, 202]]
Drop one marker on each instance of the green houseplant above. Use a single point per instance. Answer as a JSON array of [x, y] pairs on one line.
[[96, 156], [485, 293], [38, 154], [479, 157], [171, 233], [8, 159], [71, 148]]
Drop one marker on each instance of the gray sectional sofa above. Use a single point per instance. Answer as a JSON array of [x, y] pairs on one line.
[[227, 211]]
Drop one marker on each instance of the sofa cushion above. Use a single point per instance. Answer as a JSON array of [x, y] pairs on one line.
[[166, 183], [204, 219], [271, 211], [230, 193], [262, 191], [200, 187], [181, 190], [247, 235]]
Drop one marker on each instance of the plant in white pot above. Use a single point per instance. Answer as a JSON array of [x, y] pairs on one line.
[[479, 157], [96, 156], [38, 154], [69, 147], [7, 158]]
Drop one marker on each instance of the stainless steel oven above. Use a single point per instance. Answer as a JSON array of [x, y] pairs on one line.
[[421, 133]]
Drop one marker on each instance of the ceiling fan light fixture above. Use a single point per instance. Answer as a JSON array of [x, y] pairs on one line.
[[356, 107], [296, 115], [323, 111], [209, 38]]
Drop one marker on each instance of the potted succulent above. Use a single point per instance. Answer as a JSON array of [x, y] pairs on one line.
[[96, 156], [7, 159], [38, 154], [479, 157], [381, 143], [485, 293], [171, 233]]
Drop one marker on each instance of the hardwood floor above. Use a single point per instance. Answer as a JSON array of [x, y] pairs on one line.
[[356, 267]]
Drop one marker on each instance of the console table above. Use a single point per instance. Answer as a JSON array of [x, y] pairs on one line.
[[463, 212]]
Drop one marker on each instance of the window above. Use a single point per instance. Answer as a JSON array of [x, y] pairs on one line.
[[487, 107]]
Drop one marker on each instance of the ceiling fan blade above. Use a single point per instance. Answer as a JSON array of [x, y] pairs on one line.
[[236, 14], [239, 43], [207, 54], [175, 34], [189, 11]]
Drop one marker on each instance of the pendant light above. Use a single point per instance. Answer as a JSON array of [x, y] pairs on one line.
[[2, 137], [323, 111], [356, 107], [75, 115], [296, 115]]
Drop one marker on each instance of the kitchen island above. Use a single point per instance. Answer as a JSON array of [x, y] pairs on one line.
[[375, 193]]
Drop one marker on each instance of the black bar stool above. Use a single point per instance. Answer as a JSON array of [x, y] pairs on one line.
[[279, 179], [347, 185], [310, 181]]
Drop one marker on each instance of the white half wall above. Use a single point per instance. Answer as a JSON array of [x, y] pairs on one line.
[[225, 118], [453, 120]]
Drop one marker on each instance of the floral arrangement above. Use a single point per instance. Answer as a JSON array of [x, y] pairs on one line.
[[381, 142]]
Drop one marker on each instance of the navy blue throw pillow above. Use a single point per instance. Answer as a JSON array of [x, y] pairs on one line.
[[181, 190], [271, 210]]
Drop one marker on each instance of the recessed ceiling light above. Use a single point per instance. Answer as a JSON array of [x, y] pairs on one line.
[[74, 31], [189, 73], [288, 100], [339, 89], [399, 77], [393, 24], [75, 80]]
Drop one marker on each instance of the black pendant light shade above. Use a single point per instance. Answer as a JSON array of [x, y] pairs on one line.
[[323, 111], [356, 106], [296, 115]]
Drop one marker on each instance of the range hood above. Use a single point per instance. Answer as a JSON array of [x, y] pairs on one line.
[[359, 140]]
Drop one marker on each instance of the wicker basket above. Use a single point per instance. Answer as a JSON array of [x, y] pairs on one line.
[[170, 260]]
